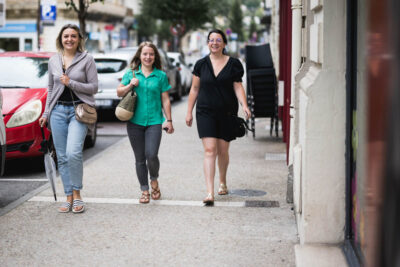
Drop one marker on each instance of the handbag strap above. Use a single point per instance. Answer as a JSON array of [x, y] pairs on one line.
[[133, 87], [63, 69]]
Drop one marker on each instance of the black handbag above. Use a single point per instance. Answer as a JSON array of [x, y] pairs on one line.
[[239, 125]]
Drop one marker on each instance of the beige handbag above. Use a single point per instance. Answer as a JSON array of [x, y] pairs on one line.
[[84, 112], [126, 107]]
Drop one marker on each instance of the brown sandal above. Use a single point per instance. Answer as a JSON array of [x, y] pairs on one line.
[[145, 198], [155, 192]]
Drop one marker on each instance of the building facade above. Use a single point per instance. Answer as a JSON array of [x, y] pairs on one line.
[[108, 25], [340, 76]]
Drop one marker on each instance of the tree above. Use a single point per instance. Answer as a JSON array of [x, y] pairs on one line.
[[252, 5], [82, 11], [252, 29], [146, 26], [236, 19], [182, 15]]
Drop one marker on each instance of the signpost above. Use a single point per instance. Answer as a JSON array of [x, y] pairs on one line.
[[2, 13], [48, 11]]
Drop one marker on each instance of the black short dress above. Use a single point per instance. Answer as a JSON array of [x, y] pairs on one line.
[[216, 98]]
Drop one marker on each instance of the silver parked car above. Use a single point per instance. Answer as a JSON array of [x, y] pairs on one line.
[[184, 70], [110, 68]]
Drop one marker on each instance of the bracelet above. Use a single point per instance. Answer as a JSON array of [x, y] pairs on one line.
[[169, 120]]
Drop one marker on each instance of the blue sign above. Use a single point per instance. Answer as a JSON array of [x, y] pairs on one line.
[[18, 27], [48, 13]]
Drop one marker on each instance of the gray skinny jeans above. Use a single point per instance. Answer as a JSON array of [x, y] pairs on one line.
[[145, 142]]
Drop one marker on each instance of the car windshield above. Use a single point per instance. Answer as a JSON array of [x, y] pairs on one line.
[[23, 72], [105, 65]]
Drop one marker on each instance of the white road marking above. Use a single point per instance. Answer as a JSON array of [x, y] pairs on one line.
[[23, 180], [133, 201]]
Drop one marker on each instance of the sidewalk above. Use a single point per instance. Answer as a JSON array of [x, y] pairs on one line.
[[176, 231]]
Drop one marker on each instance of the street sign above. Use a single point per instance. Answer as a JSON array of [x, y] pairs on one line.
[[234, 36], [48, 11]]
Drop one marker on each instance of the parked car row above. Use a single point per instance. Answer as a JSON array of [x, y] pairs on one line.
[[112, 66], [2, 138], [23, 93], [185, 71], [23, 86]]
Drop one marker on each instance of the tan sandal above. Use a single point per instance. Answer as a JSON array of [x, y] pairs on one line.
[[145, 198], [223, 189], [155, 192], [209, 200]]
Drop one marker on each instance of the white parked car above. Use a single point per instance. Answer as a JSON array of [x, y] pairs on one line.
[[110, 68], [184, 70]]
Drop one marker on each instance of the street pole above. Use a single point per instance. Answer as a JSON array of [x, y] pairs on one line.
[[38, 26]]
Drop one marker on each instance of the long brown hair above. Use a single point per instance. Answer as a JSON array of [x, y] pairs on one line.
[[135, 62], [81, 43]]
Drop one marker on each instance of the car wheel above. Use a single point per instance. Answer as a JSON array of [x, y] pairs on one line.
[[91, 136]]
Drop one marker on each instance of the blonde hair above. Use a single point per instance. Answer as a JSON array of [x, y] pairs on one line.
[[135, 62], [81, 43]]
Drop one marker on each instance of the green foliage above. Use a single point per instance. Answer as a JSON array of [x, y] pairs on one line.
[[252, 28], [252, 5], [190, 13], [82, 11], [146, 26], [82, 3], [236, 19]]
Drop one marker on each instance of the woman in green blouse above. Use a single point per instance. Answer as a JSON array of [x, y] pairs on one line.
[[144, 128]]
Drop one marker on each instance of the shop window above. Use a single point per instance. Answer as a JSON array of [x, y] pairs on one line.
[[9, 44], [28, 45]]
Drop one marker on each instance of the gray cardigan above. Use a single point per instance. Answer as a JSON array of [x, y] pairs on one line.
[[83, 80]]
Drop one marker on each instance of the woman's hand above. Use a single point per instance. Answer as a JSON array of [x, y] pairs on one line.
[[247, 112], [64, 79], [189, 119], [168, 127], [42, 121], [134, 82]]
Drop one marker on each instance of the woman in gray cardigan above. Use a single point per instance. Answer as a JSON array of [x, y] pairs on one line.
[[72, 79]]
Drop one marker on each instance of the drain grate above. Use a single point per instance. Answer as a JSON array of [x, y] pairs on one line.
[[247, 192], [261, 204]]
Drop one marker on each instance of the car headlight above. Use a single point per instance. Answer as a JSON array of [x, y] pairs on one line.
[[26, 114]]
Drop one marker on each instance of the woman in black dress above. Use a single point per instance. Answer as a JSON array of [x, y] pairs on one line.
[[217, 87]]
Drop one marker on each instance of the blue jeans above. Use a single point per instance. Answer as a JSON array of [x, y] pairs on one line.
[[68, 137]]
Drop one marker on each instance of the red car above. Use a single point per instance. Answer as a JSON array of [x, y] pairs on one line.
[[23, 84]]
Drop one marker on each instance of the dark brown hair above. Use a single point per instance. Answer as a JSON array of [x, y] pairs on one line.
[[81, 44], [135, 62]]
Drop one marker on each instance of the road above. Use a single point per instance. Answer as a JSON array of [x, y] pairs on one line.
[[24, 176]]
